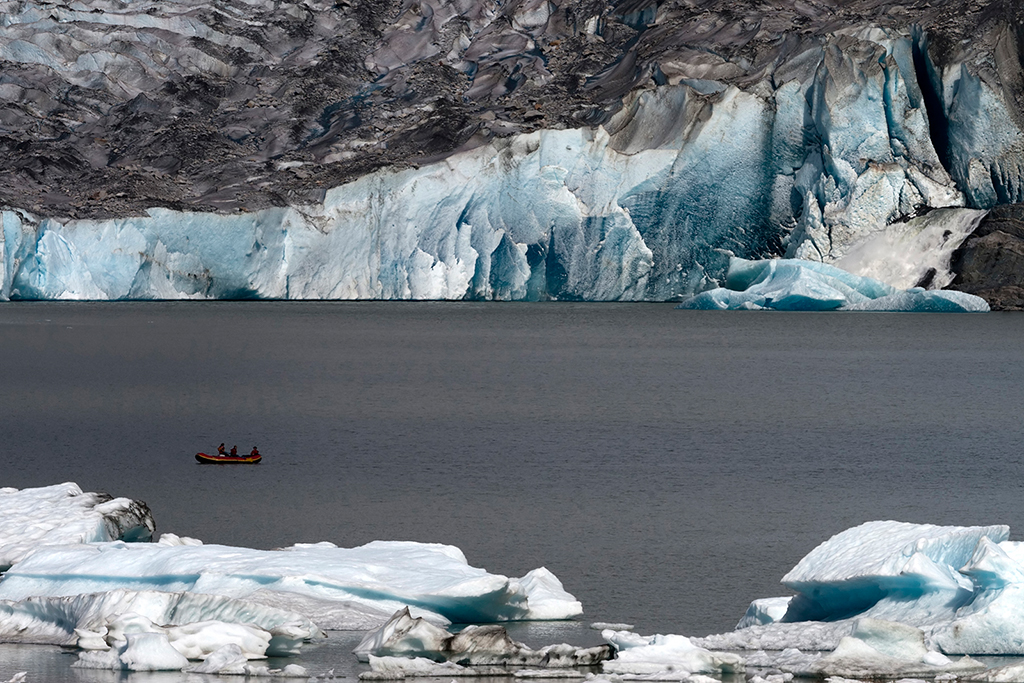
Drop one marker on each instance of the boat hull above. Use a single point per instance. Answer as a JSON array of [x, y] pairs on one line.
[[227, 459]]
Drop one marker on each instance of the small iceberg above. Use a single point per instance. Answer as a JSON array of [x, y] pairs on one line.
[[404, 639], [798, 285]]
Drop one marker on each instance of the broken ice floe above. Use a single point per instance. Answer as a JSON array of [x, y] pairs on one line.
[[161, 606], [666, 655], [797, 285], [404, 636]]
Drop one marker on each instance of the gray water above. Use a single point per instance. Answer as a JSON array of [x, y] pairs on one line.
[[668, 466]]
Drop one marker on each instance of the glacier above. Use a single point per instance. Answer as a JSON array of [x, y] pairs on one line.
[[831, 160], [448, 149]]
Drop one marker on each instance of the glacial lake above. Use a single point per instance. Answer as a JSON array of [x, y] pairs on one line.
[[668, 466]]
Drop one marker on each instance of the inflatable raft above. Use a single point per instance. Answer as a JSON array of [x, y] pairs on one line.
[[204, 458]]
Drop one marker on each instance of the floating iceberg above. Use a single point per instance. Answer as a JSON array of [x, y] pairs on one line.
[[320, 581], [156, 651], [96, 620], [796, 285], [882, 649], [403, 636], [863, 566], [764, 611], [962, 587], [666, 657], [140, 652], [62, 514]]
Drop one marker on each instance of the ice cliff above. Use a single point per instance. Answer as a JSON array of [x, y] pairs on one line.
[[526, 149]]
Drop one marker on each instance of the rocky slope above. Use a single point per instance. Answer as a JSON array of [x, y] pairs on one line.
[[990, 264]]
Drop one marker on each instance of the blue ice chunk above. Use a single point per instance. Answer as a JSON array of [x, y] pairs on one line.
[[722, 299], [798, 285], [917, 300], [860, 567]]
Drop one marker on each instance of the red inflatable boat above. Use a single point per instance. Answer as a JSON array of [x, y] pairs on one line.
[[204, 458]]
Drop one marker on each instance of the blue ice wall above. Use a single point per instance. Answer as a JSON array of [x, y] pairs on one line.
[[820, 155]]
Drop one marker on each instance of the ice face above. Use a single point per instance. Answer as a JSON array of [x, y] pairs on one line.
[[433, 578], [799, 285], [63, 514], [914, 253], [813, 164]]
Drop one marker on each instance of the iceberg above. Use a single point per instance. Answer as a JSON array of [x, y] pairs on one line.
[[98, 620], [432, 578], [140, 652], [796, 285], [765, 611], [666, 657], [812, 636], [857, 568], [886, 649], [63, 514], [882, 583], [403, 636]]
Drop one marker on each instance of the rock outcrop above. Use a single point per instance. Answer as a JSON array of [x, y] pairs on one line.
[[990, 264]]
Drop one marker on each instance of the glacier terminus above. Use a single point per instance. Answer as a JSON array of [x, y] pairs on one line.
[[498, 151]]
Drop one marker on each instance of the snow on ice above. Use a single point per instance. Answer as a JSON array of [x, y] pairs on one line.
[[63, 514]]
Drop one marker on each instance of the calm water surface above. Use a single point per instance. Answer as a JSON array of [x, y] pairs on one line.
[[669, 466]]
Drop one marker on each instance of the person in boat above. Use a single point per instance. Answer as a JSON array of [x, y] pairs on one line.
[[254, 452], [234, 451], [220, 450]]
